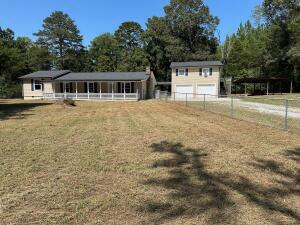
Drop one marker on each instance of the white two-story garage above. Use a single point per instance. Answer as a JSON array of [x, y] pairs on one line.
[[201, 77]]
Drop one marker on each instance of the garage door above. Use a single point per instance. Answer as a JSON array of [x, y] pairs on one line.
[[208, 89], [182, 90]]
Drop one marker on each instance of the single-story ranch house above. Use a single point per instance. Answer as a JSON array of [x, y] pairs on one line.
[[83, 86], [202, 77]]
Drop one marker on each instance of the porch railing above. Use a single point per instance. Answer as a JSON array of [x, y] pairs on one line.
[[92, 96]]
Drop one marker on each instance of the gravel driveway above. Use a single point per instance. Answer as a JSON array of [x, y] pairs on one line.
[[269, 109]]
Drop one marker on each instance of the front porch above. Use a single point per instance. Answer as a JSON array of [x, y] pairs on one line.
[[90, 90]]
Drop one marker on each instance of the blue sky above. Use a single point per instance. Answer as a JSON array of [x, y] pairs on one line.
[[94, 17]]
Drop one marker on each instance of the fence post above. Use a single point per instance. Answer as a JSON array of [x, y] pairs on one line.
[[204, 103], [232, 107], [286, 114], [186, 99]]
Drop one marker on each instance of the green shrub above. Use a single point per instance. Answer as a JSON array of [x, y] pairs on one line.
[[69, 102], [10, 90]]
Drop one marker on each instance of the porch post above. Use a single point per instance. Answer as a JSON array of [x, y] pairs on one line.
[[137, 90], [124, 90], [65, 90], [100, 86], [112, 90], [88, 89], [54, 83], [76, 91]]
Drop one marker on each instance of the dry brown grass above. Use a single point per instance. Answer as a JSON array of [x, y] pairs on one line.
[[143, 163]]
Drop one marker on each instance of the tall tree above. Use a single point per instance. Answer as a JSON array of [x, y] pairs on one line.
[[133, 57], [186, 32], [60, 35], [191, 21], [244, 52], [129, 35], [279, 11], [105, 53]]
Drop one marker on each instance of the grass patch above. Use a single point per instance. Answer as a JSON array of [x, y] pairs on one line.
[[143, 162]]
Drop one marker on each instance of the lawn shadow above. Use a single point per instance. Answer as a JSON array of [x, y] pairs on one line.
[[195, 192], [18, 110]]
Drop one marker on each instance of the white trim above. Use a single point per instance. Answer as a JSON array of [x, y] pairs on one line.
[[76, 91], [88, 89], [100, 89]]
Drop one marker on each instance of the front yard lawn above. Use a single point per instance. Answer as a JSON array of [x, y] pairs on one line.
[[143, 162]]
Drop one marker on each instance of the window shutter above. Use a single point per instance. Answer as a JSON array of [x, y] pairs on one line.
[[61, 88], [177, 72], [200, 71], [32, 85], [71, 87], [119, 87], [210, 71], [96, 87], [186, 71], [132, 87], [85, 87]]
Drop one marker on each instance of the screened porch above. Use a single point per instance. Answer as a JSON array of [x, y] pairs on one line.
[[111, 90]]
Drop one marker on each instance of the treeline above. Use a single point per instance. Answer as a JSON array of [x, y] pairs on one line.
[[270, 47], [186, 32]]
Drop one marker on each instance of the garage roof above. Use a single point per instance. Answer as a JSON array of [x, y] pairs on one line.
[[45, 74], [107, 76], [196, 64]]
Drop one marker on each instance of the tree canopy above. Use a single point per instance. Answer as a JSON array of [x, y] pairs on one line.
[[60, 35], [269, 49]]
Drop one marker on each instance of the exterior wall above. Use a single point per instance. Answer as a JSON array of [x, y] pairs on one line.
[[194, 78], [36, 94]]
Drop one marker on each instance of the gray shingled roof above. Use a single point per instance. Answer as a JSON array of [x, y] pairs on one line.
[[107, 76], [45, 74], [196, 64]]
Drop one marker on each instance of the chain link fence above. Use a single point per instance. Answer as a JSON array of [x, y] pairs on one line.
[[276, 112]]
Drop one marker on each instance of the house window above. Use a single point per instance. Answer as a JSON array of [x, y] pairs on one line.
[[37, 85], [128, 87], [91, 87], [205, 72], [181, 72], [68, 88]]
